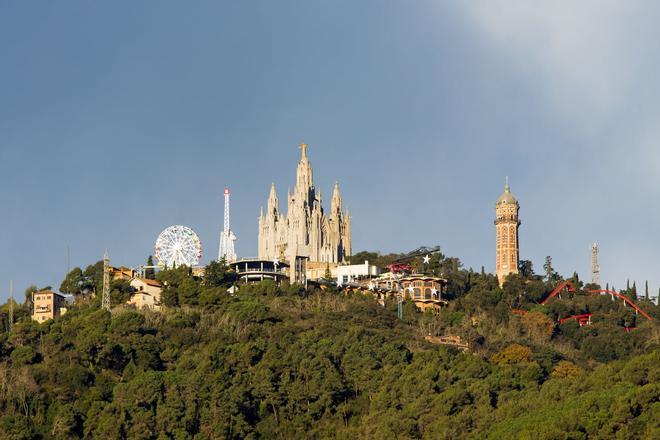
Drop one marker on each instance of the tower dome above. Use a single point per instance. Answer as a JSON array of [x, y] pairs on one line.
[[507, 197]]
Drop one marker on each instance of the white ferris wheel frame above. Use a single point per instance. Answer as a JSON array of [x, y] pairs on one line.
[[178, 245]]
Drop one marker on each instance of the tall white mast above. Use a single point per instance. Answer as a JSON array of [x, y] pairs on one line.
[[227, 237]]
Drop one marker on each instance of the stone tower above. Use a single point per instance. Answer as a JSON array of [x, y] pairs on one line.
[[506, 227], [306, 230]]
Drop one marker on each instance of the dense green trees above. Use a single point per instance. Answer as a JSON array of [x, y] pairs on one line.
[[270, 362]]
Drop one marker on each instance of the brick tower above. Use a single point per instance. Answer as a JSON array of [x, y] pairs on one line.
[[506, 227]]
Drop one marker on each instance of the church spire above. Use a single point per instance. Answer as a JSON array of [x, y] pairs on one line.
[[273, 202], [336, 200], [304, 176]]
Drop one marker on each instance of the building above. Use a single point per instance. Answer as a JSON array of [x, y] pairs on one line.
[[147, 295], [425, 291], [349, 273], [255, 270], [122, 273], [507, 252], [305, 230], [47, 305]]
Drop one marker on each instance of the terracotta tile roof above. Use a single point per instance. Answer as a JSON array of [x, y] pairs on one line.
[[149, 282]]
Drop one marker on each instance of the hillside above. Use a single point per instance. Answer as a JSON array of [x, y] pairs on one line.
[[284, 363]]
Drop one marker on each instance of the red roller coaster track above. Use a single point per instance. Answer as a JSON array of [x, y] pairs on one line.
[[582, 319], [568, 286]]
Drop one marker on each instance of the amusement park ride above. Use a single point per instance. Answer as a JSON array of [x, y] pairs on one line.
[[585, 318], [401, 267]]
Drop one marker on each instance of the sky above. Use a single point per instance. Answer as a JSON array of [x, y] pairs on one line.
[[118, 119]]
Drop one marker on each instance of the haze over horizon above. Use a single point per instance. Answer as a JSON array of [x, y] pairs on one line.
[[118, 120]]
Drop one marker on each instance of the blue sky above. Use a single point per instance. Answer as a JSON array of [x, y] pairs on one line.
[[118, 119]]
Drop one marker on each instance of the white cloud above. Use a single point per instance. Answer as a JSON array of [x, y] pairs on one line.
[[584, 53]]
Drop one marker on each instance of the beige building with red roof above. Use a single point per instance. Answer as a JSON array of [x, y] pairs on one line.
[[147, 295]]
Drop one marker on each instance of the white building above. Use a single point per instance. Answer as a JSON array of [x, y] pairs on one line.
[[350, 273]]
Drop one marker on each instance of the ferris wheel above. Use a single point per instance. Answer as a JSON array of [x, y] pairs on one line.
[[178, 245]]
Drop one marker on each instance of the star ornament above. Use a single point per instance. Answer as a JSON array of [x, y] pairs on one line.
[[411, 289], [339, 284], [434, 292], [427, 259], [276, 262], [371, 286]]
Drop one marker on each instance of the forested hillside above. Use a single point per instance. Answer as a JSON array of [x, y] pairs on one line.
[[289, 363]]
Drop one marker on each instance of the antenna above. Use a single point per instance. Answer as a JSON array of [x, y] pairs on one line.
[[595, 268], [105, 299], [227, 237], [11, 305]]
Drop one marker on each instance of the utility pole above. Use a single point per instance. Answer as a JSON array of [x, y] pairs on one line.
[[105, 299], [595, 268]]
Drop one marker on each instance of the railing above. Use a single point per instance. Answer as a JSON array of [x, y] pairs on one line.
[[264, 270]]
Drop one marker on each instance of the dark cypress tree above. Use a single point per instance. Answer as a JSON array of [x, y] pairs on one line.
[[646, 290], [149, 272]]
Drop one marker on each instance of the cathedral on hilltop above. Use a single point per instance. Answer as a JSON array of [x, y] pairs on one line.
[[506, 226], [305, 230]]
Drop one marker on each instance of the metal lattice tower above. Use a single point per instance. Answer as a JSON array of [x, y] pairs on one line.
[[11, 305], [227, 237], [105, 299], [595, 268]]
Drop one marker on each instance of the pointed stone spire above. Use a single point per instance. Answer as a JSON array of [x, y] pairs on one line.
[[336, 200], [304, 176], [273, 202], [506, 185]]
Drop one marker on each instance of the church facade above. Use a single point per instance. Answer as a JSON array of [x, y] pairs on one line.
[[306, 229]]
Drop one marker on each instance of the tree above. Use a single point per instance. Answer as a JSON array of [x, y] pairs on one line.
[[646, 290], [93, 277], [566, 369], [218, 274], [539, 326], [525, 267], [72, 283], [28, 297], [149, 272], [513, 354], [551, 276]]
